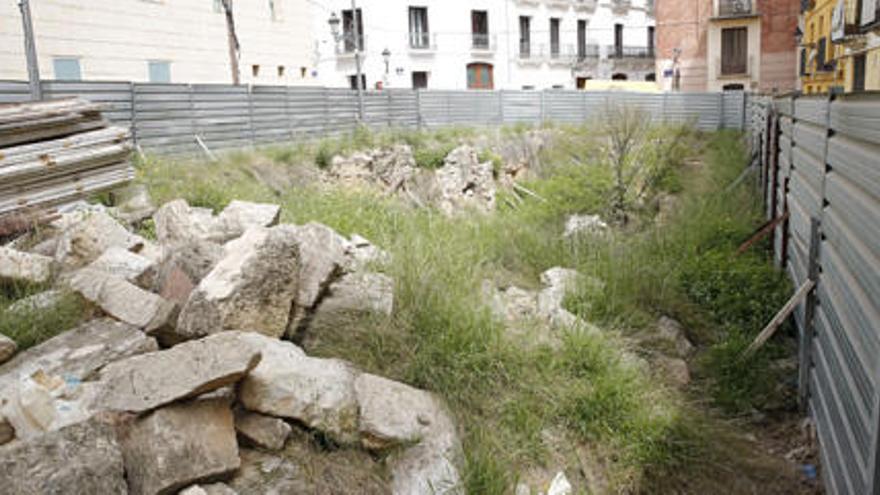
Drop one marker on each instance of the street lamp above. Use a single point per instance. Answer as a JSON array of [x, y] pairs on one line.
[[386, 56], [356, 38]]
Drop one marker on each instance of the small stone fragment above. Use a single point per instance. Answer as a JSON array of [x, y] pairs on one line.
[[21, 267], [263, 431]]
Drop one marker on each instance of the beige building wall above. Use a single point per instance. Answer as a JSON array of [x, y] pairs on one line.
[[116, 39], [716, 81]]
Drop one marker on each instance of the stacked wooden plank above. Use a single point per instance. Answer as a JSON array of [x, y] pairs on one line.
[[58, 151]]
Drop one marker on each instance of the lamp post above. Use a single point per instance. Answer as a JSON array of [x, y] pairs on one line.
[[356, 34], [386, 57], [30, 50]]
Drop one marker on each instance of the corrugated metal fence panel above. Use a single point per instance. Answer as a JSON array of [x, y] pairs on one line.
[[163, 118], [307, 112], [166, 118], [701, 109], [223, 115], [564, 106], [115, 97], [844, 195], [14, 92], [522, 107], [734, 109]]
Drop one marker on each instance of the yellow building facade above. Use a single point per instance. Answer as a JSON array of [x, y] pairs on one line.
[[840, 47]]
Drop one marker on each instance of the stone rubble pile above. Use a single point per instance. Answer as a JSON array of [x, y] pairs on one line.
[[182, 383], [461, 184]]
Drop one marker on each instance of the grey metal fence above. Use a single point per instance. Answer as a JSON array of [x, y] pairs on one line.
[[167, 118], [820, 162]]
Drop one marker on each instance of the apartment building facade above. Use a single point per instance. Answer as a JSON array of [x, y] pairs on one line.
[[486, 44], [840, 46], [178, 41], [717, 45]]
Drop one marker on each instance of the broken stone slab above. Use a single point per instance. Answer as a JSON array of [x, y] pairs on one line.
[[84, 241], [322, 252], [178, 223], [465, 183], [78, 353], [253, 287], [239, 216], [124, 301], [126, 265], [578, 225], [21, 267], [287, 383], [179, 445], [133, 203], [81, 458], [261, 430], [362, 292], [145, 382], [393, 414], [673, 332], [8, 347], [42, 403], [184, 268], [361, 255]]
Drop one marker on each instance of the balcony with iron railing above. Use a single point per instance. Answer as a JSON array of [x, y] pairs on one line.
[[561, 54], [623, 52], [734, 69], [483, 42], [422, 41], [588, 52], [558, 4], [346, 46], [529, 52], [732, 9]]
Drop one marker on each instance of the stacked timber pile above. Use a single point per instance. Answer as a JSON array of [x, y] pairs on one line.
[[58, 151]]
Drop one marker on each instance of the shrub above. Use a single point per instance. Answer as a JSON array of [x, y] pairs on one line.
[[431, 158]]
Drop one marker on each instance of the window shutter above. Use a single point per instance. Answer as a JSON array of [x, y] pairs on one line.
[[869, 11]]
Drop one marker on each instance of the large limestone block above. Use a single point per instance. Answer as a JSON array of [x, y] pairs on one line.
[[81, 458], [322, 252], [134, 203], [362, 292], [287, 383], [179, 445], [261, 430], [21, 267], [178, 223], [124, 301], [148, 381], [84, 241], [124, 264], [253, 287], [394, 414], [239, 216]]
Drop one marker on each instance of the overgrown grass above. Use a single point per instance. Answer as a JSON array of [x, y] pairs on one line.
[[509, 397], [29, 326]]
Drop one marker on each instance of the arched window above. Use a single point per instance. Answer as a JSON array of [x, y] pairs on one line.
[[651, 77], [480, 76], [619, 77]]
